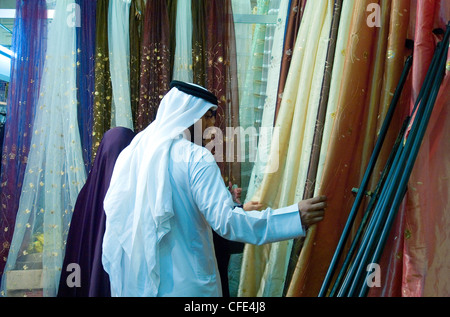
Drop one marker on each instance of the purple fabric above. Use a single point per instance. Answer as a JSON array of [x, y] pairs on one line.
[[29, 44], [86, 75], [84, 241]]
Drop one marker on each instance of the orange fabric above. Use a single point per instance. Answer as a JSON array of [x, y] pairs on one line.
[[415, 260], [391, 261], [344, 154]]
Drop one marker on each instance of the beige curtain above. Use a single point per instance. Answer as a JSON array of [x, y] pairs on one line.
[[264, 267]]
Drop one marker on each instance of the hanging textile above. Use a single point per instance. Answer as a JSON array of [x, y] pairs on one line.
[[119, 61], [243, 33], [425, 251], [291, 148], [296, 9], [264, 140], [426, 245], [340, 174], [87, 227], [395, 54], [29, 45], [214, 67], [137, 9], [85, 28], [103, 88], [252, 100], [55, 169], [314, 168], [333, 94], [199, 22], [155, 62], [273, 64], [182, 69]]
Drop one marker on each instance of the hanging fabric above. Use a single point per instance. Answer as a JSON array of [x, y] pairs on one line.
[[103, 88], [55, 170], [425, 249], [243, 33], [263, 145], [29, 43], [252, 100], [343, 155], [296, 10], [182, 69], [268, 113], [199, 22], [119, 61], [214, 67], [333, 94], [314, 167], [85, 23], [155, 62], [137, 9], [291, 149], [395, 53]]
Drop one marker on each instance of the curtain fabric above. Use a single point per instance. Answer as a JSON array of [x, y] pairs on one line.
[[376, 54], [182, 69], [315, 166], [29, 42], [332, 106], [291, 149], [214, 67], [137, 10], [102, 86], [155, 62], [252, 100], [85, 28], [243, 33], [55, 169], [268, 112], [425, 218], [296, 9], [396, 51], [119, 61]]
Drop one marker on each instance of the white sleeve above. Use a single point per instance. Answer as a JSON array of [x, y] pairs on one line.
[[254, 227]]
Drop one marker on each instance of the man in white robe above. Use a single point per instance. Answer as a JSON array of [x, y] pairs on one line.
[[166, 194]]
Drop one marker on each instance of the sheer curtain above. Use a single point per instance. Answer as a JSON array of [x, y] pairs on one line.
[[274, 45], [251, 101], [119, 56], [182, 69], [55, 170], [29, 43], [243, 40]]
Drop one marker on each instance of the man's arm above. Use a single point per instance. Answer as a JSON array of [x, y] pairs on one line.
[[255, 227]]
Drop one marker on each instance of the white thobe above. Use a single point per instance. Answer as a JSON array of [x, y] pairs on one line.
[[201, 202]]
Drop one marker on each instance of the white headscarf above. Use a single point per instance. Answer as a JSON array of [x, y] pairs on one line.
[[138, 204]]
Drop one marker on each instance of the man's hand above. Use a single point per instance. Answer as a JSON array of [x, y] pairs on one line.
[[312, 210], [235, 193], [252, 205]]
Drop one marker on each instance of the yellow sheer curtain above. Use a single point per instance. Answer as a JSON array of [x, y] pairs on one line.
[[264, 267]]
